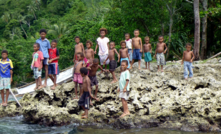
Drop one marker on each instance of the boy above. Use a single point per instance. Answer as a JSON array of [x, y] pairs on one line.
[[44, 46], [113, 62], [79, 48], [147, 52], [79, 63], [136, 48], [103, 43], [6, 72], [129, 45], [159, 53], [53, 68], [89, 53], [36, 65], [187, 59], [124, 53], [124, 87], [85, 98]]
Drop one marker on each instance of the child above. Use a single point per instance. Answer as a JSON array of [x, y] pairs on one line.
[[124, 87], [187, 59], [79, 63], [159, 53], [136, 48], [53, 68], [85, 98], [44, 46], [79, 48], [124, 53], [89, 53], [6, 72], [102, 42], [36, 65], [129, 45], [147, 52], [113, 62]]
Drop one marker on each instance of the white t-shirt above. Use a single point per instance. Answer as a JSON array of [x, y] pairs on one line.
[[122, 82], [102, 43], [129, 44]]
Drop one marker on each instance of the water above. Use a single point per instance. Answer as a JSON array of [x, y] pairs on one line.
[[16, 125]]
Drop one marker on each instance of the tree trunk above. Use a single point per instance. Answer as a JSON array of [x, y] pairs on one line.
[[35, 15], [24, 30], [170, 34], [204, 33], [197, 29], [162, 29]]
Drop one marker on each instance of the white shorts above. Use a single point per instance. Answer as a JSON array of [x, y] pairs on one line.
[[103, 58], [124, 95]]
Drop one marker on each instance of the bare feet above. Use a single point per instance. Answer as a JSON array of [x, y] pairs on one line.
[[83, 117], [83, 114], [114, 81], [4, 104], [40, 87], [139, 68], [124, 114], [53, 88], [45, 85], [75, 98], [130, 68], [35, 88], [186, 79], [161, 70]]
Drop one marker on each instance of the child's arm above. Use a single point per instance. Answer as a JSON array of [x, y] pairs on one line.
[[106, 60], [192, 57], [155, 52], [53, 59], [125, 87], [92, 52], [128, 55], [118, 55], [182, 59], [82, 46], [165, 47], [96, 49], [89, 90], [101, 68], [141, 48], [11, 72], [150, 48], [132, 46], [84, 64]]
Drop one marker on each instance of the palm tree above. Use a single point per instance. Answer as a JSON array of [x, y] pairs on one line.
[[32, 8], [21, 19], [58, 30], [16, 32], [6, 17]]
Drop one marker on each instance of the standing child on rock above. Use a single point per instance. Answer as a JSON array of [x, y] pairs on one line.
[[89, 53], [44, 46], [147, 50], [85, 98], [36, 65], [124, 87], [79, 63], [136, 48], [103, 44], [129, 46], [187, 60], [6, 72], [124, 55], [53, 68], [113, 62], [79, 48], [159, 53]]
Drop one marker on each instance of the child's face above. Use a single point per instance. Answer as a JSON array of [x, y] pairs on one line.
[[123, 45], [102, 33], [95, 64], [36, 48], [188, 48], [88, 45], [160, 39], [127, 36], [112, 45], [4, 55], [123, 66], [43, 35], [147, 40], [53, 44], [83, 75], [79, 57], [77, 40], [136, 33]]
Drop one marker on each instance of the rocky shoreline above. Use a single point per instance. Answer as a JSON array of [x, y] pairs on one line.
[[162, 100]]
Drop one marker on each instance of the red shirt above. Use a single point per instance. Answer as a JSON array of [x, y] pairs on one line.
[[53, 53]]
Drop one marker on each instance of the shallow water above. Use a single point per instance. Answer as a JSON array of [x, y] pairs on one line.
[[16, 125]]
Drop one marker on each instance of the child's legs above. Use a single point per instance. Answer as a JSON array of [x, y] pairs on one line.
[[148, 65], [55, 79], [76, 90], [161, 67], [190, 69], [37, 83], [96, 90], [81, 89], [185, 70], [46, 74], [7, 94], [3, 96], [51, 77], [113, 74]]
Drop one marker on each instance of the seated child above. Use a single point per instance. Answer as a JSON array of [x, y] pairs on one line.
[[147, 52], [79, 63], [129, 46], [159, 53], [85, 98], [53, 68], [113, 62], [187, 59], [124, 53], [124, 87], [6, 72], [89, 53]]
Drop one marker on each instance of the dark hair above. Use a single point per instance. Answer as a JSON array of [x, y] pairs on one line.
[[95, 60], [88, 41], [55, 41], [77, 37], [188, 44], [103, 29], [84, 70], [4, 51], [127, 34], [136, 30], [112, 42], [43, 31], [37, 44], [124, 61], [147, 37], [123, 41], [81, 54], [160, 36]]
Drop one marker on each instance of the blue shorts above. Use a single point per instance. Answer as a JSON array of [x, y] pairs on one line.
[[121, 59], [53, 68], [45, 61], [136, 54], [130, 53]]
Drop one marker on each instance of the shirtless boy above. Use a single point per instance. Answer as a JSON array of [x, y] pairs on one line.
[[187, 59], [79, 63], [136, 48], [147, 50], [79, 48], [89, 52], [124, 55], [85, 97], [113, 62], [159, 53]]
